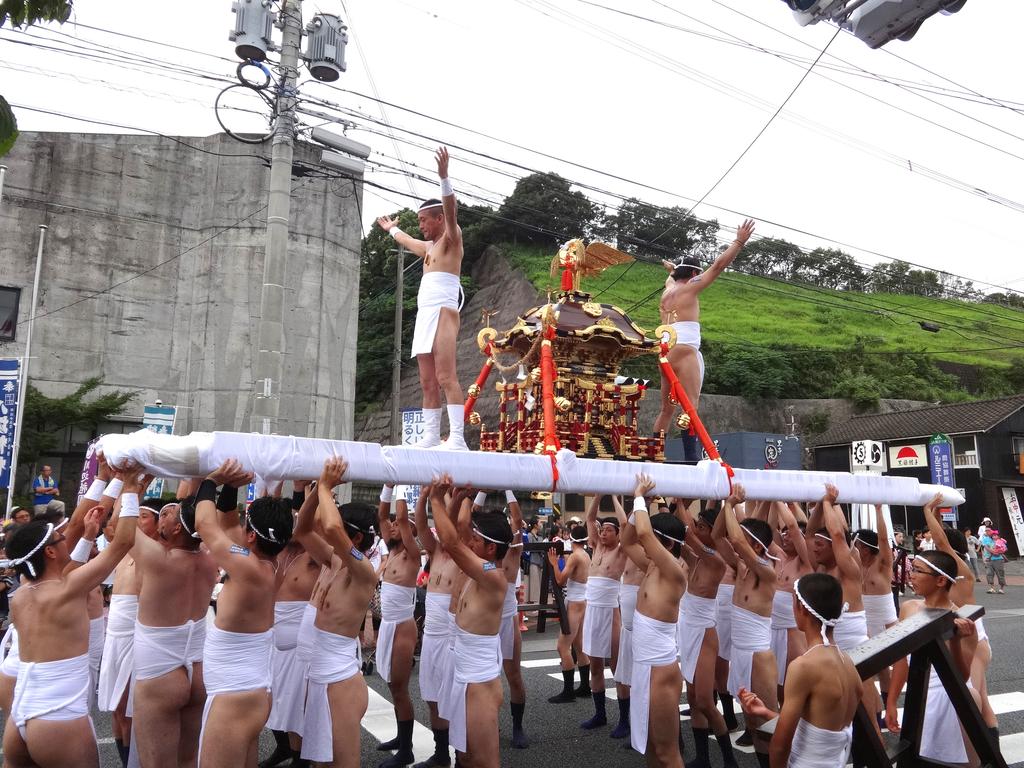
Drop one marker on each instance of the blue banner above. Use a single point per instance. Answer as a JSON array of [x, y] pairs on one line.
[[940, 461], [159, 419], [8, 416]]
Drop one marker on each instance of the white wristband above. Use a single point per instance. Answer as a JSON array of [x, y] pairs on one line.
[[95, 492], [510, 498], [82, 550], [395, 232], [446, 188], [114, 488], [639, 503], [387, 493], [130, 505], [480, 499]]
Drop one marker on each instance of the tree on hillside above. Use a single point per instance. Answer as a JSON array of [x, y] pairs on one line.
[[21, 12], [543, 209], [768, 257], [829, 268], [651, 232]]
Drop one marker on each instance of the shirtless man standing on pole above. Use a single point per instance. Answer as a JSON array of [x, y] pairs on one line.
[[396, 639], [680, 308], [438, 304], [177, 581]]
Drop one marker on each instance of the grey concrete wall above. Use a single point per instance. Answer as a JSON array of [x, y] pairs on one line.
[[152, 272]]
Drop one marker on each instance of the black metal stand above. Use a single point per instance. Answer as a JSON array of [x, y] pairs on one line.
[[551, 603]]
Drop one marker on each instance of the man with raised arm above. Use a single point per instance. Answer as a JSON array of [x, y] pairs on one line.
[[177, 581], [823, 687], [656, 683], [752, 663], [236, 657], [396, 638], [511, 637], [49, 719], [699, 649], [629, 587], [680, 308], [876, 559], [476, 694], [572, 576], [796, 561], [438, 304], [601, 622], [340, 540]]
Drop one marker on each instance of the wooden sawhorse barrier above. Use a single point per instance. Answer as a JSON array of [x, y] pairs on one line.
[[552, 604], [922, 637]]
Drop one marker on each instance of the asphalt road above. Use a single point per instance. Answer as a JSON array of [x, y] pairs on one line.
[[558, 740]]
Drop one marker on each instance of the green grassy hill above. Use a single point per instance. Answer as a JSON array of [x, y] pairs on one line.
[[836, 338]]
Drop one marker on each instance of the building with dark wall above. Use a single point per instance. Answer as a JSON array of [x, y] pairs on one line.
[[988, 446]]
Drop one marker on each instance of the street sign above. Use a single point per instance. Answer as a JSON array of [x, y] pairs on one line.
[[8, 417], [940, 463]]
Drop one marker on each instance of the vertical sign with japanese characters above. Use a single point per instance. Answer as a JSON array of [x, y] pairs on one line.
[[8, 417], [159, 419], [412, 426], [940, 462]]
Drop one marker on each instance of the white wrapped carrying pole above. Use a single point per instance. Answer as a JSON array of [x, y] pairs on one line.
[[276, 457]]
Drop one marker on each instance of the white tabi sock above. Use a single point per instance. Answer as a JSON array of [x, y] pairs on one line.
[[456, 424], [431, 428]]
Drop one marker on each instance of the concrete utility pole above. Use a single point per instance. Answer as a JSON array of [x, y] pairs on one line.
[[396, 363], [269, 370], [23, 373]]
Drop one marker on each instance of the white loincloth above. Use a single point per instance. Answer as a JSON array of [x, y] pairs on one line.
[[438, 290], [477, 660], [336, 660], [814, 747], [287, 672], [688, 333], [118, 651], [724, 619], [879, 611], [941, 738], [783, 620], [434, 647], [509, 623], [750, 634], [627, 607], [447, 669], [602, 601], [654, 645], [851, 631], [304, 641], [397, 604], [980, 628], [12, 660], [97, 631], [234, 662], [575, 591], [700, 617], [681, 627], [51, 690], [161, 650]]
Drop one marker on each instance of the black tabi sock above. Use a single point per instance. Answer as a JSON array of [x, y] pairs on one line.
[[728, 710], [122, 752], [994, 730], [441, 744], [762, 759], [584, 675], [700, 740], [725, 744], [624, 710], [405, 735], [568, 676], [517, 712], [599, 701]]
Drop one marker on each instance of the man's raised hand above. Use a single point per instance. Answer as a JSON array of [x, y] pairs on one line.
[[738, 495], [232, 473], [442, 162], [386, 223], [744, 231], [93, 522], [831, 493], [644, 484], [333, 472]]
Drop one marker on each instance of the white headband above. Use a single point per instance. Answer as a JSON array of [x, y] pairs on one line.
[[483, 535], [824, 622], [24, 559], [938, 570], [426, 207], [856, 538], [578, 541], [747, 531], [194, 534]]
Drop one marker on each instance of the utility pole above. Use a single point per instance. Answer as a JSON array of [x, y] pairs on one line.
[[396, 363], [269, 370], [23, 373]]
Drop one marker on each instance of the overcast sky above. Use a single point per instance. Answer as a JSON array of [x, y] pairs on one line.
[[653, 105]]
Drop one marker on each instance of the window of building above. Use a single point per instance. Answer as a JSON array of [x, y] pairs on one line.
[[9, 300], [1018, 451], [965, 451]]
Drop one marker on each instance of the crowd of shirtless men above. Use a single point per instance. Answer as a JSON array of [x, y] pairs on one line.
[[743, 600]]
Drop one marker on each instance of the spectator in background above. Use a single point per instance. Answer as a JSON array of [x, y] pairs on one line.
[[536, 565], [46, 493], [900, 567], [973, 542], [927, 545], [21, 516], [918, 538], [985, 524], [993, 550]]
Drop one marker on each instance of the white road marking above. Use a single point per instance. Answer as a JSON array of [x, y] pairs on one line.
[[380, 723]]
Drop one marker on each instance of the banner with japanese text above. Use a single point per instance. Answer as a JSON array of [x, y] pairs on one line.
[[9, 370]]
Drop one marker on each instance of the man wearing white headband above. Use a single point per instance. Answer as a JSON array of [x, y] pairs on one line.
[[511, 636], [796, 561], [396, 638], [177, 581], [823, 688], [573, 576], [236, 657], [438, 302], [932, 576], [49, 716], [680, 308], [752, 664], [476, 694]]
